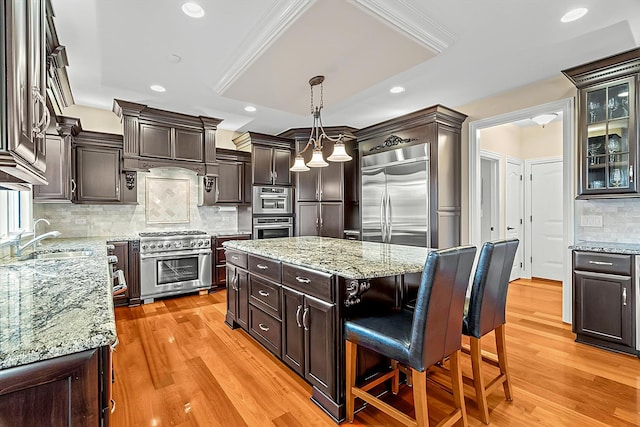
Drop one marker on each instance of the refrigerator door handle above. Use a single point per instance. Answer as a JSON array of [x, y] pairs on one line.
[[389, 217], [383, 221]]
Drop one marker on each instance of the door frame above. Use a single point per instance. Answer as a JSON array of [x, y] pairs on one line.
[[528, 208], [517, 161], [568, 149], [496, 186]]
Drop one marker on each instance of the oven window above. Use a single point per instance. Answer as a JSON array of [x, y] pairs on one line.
[[177, 270], [270, 233]]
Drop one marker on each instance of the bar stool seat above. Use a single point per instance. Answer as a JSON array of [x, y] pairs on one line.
[[417, 338]]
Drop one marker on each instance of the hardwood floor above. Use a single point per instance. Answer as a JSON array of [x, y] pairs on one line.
[[179, 364]]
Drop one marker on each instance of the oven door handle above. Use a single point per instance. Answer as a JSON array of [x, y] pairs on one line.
[[171, 255]]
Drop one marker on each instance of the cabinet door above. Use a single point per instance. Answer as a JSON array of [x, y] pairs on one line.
[[38, 78], [229, 182], [243, 299], [292, 331], [331, 220], [262, 165], [188, 145], [331, 178], [603, 307], [232, 295], [122, 252], [155, 141], [307, 219], [58, 172], [281, 165], [320, 346], [307, 189], [98, 174]]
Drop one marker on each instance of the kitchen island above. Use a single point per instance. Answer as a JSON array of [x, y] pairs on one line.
[[293, 294], [56, 328]]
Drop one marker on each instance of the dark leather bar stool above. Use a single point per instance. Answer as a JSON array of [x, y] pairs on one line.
[[417, 338], [486, 313]]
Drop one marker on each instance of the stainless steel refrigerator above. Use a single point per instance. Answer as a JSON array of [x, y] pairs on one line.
[[395, 196]]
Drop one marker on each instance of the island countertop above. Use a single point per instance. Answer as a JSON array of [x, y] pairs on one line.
[[351, 259], [51, 308]]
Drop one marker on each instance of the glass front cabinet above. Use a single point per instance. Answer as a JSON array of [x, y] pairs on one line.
[[607, 126]]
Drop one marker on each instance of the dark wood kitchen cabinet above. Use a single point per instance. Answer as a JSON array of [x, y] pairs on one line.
[[608, 125], [232, 186], [604, 300], [128, 253], [24, 113], [320, 219], [72, 390], [237, 290], [219, 279], [270, 157]]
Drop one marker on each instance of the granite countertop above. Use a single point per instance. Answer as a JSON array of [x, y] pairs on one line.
[[351, 259], [614, 248], [51, 308]]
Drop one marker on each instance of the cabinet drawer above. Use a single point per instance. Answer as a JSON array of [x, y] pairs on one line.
[[266, 330], [308, 281], [265, 267], [236, 258], [603, 263], [265, 294]]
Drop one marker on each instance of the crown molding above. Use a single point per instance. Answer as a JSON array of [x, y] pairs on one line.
[[264, 33], [411, 21]]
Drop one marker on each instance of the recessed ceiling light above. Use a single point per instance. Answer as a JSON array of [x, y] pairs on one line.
[[574, 14], [193, 10], [158, 88], [250, 108], [396, 89], [173, 58]]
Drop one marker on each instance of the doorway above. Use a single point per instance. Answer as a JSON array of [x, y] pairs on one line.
[[566, 106], [490, 167], [514, 212]]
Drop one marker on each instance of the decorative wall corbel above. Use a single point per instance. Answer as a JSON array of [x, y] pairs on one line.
[[130, 179]]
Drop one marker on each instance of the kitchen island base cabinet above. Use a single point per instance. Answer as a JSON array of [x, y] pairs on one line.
[[70, 390], [237, 297]]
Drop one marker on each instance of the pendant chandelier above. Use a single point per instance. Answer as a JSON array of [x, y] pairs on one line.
[[316, 137]]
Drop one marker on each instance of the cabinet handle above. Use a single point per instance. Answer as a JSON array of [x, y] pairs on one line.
[[600, 263], [631, 173], [298, 316], [624, 296], [235, 257], [73, 186], [263, 293], [41, 127], [317, 195], [262, 267], [275, 176], [303, 280], [304, 319], [113, 406], [234, 281], [263, 327]]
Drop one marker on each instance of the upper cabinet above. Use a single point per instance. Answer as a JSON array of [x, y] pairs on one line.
[[232, 186], [25, 116], [608, 125], [270, 159], [157, 138]]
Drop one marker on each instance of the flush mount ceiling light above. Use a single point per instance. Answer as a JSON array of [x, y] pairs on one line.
[[396, 89], [574, 14], [157, 88], [544, 119], [250, 108], [317, 135], [193, 10]]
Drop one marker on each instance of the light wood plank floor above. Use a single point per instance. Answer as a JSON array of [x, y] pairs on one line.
[[178, 364]]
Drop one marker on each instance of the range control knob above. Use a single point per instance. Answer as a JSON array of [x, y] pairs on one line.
[[178, 244], [167, 245], [144, 246], [193, 244], [199, 243], [152, 246]]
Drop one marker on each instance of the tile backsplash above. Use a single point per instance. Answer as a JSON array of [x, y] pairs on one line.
[[620, 220], [76, 220]]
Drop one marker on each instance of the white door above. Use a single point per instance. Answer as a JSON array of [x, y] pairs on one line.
[[546, 220], [489, 201], [514, 208]]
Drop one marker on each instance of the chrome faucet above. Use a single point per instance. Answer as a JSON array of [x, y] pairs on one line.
[[35, 223], [19, 248]]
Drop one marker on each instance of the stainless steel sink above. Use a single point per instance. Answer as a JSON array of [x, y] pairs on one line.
[[60, 255]]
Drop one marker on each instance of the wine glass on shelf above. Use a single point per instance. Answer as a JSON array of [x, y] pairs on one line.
[[594, 150], [616, 178]]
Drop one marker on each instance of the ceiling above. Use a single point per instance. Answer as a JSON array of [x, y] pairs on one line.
[[263, 53]]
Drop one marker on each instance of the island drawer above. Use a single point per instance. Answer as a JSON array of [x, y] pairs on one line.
[[265, 267], [266, 330], [603, 263], [310, 282], [236, 258], [265, 294]]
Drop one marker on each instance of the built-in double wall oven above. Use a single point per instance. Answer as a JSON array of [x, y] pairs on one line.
[[272, 212]]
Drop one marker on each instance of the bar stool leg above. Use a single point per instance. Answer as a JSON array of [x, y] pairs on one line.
[[351, 351], [420, 397], [478, 378], [502, 359], [456, 382], [395, 381]]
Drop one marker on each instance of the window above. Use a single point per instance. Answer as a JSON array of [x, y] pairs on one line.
[[15, 211]]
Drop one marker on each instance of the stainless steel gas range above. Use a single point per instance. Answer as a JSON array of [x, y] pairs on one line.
[[173, 263]]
